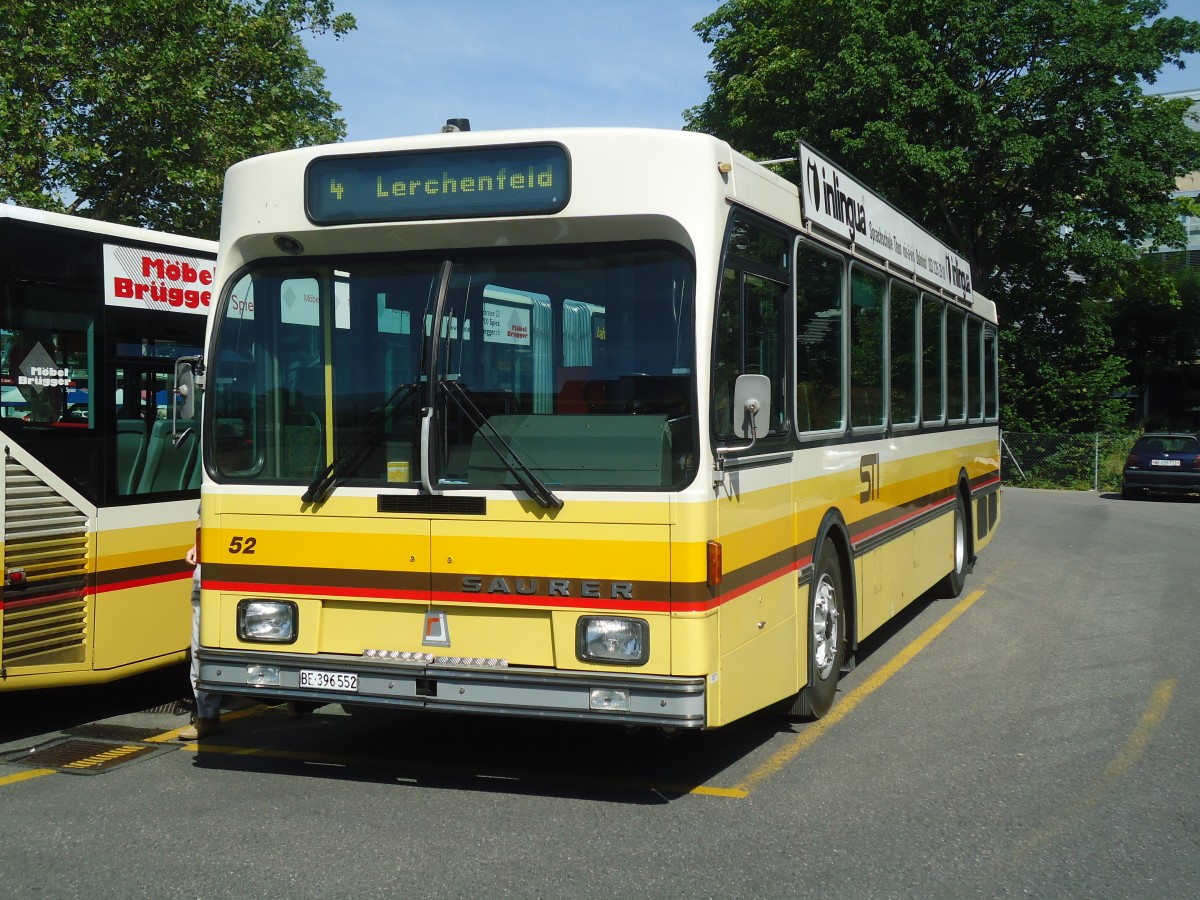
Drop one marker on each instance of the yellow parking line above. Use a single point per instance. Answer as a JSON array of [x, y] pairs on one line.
[[173, 734], [778, 761], [802, 741], [846, 705], [25, 776], [1134, 747]]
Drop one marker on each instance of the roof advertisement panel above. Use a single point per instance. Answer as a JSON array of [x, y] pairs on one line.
[[147, 278], [835, 202]]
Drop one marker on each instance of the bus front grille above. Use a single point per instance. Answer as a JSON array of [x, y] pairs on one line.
[[45, 606]]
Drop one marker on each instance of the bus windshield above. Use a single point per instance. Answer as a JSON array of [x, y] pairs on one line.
[[549, 368]]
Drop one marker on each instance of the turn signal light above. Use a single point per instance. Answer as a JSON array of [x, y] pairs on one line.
[[714, 564]]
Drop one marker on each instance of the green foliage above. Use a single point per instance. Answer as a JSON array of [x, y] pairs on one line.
[[1077, 462], [1156, 323], [131, 110], [1016, 130]]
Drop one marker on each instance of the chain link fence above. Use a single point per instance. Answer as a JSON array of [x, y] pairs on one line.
[[1077, 462]]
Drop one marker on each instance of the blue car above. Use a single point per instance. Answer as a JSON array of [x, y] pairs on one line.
[[1162, 462]]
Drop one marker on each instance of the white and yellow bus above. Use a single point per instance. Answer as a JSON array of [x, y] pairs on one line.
[[101, 472], [605, 424]]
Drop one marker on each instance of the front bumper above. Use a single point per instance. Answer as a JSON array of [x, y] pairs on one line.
[[656, 700]]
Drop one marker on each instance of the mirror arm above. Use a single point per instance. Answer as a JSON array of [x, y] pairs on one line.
[[751, 409]]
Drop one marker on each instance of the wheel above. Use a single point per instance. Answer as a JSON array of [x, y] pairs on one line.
[[951, 586], [826, 635], [1128, 493]]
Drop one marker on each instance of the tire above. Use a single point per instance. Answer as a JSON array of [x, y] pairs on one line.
[[952, 585], [826, 635]]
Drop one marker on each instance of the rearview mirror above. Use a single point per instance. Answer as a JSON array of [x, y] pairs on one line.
[[751, 406], [184, 390]]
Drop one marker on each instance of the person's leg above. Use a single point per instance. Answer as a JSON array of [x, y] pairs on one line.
[[208, 705]]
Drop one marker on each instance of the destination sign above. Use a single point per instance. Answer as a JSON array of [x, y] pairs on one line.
[[438, 184]]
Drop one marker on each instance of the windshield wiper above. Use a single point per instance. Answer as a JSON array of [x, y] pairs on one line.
[[534, 486], [346, 464]]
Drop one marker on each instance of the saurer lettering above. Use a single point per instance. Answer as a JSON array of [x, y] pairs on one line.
[[547, 587]]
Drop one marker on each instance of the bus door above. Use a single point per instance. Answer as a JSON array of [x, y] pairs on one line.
[[758, 607]]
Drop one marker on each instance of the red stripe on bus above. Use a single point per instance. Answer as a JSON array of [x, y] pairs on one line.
[[900, 520], [601, 604], [321, 590], [141, 582], [92, 590], [42, 599], [438, 597], [742, 589]]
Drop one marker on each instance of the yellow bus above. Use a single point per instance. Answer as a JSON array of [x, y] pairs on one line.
[[612, 425], [101, 471]]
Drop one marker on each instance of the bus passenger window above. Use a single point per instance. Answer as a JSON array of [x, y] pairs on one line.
[[902, 330], [975, 369], [867, 290], [956, 387], [933, 347], [991, 396], [48, 376], [819, 281]]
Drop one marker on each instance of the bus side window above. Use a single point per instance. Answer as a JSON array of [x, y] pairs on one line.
[[820, 280], [867, 293], [975, 369], [905, 353], [956, 364], [933, 356], [991, 396]]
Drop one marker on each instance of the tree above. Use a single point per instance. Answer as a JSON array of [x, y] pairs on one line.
[[1016, 130], [131, 110], [1156, 325]]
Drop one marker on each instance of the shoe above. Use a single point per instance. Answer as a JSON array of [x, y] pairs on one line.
[[297, 710], [201, 728]]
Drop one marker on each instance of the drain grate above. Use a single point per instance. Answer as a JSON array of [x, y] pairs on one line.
[[175, 708], [80, 757]]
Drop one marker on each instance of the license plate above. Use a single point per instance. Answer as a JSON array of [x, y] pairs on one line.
[[1165, 462], [329, 681]]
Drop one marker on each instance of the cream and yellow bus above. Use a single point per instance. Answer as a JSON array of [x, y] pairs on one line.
[[101, 471], [611, 425]]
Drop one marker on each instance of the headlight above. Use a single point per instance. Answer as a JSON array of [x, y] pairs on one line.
[[270, 621], [613, 640]]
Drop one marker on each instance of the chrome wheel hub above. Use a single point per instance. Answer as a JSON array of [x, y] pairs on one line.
[[824, 626]]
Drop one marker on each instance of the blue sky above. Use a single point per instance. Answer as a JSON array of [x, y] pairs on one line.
[[412, 64], [524, 63]]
